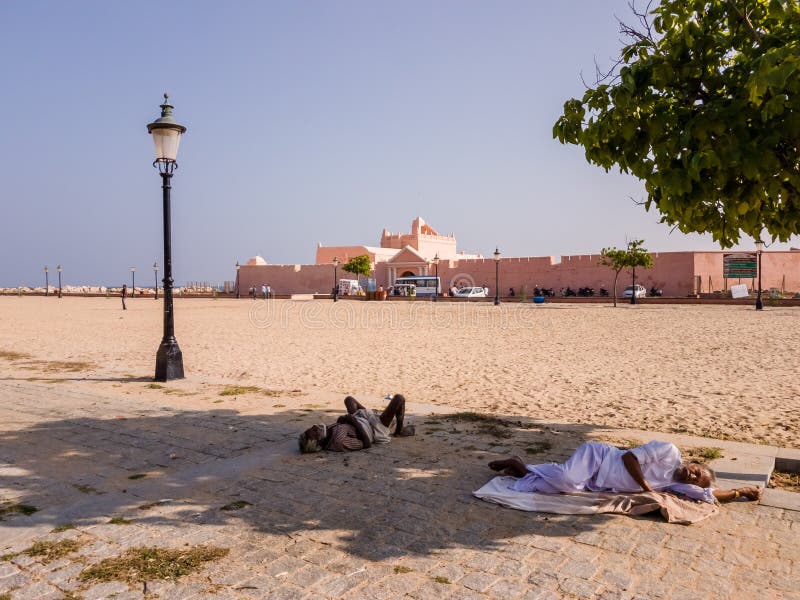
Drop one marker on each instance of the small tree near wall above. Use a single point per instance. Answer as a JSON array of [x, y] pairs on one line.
[[633, 256]]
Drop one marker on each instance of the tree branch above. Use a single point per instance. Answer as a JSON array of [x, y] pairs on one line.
[[746, 18]]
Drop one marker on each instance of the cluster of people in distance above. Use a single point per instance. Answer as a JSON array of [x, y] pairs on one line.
[[593, 467]]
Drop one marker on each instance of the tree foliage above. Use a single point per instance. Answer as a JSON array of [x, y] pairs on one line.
[[704, 107], [635, 255], [359, 265]]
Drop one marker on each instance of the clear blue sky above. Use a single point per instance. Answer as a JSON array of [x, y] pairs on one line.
[[307, 121]]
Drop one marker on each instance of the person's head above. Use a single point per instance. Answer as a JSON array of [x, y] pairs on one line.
[[311, 439], [695, 473]]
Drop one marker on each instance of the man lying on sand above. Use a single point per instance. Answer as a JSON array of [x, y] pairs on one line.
[[596, 467], [358, 429]]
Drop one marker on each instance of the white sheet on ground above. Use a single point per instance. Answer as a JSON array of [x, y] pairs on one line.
[[673, 508]]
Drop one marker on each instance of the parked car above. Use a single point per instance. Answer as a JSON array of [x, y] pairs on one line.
[[641, 292], [471, 292]]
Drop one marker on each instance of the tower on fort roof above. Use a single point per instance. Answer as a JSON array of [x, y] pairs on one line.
[[423, 238], [424, 241]]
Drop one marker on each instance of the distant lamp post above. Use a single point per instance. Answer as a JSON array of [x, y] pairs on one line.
[[496, 277], [155, 274], [436, 265], [166, 134], [335, 279], [633, 284], [759, 250], [133, 282], [238, 266], [58, 268], [46, 281]]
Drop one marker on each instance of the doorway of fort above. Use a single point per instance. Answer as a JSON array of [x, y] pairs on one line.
[[408, 274]]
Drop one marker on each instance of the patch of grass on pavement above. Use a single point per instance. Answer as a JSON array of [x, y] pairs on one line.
[[9, 556], [8, 508], [147, 564], [239, 390], [539, 447], [49, 551], [12, 355], [64, 527], [154, 386], [137, 476], [86, 489], [5, 596], [239, 504], [785, 481], [486, 424], [440, 579], [701, 454], [119, 521], [402, 569]]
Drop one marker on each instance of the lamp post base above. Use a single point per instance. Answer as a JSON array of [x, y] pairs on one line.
[[169, 360], [759, 304]]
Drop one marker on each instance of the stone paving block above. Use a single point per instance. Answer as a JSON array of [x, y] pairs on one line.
[[67, 577], [285, 565], [545, 580], [13, 581], [478, 581], [581, 569], [286, 592], [685, 546], [431, 591], [508, 588], [580, 588], [105, 590], [338, 585], [39, 590]]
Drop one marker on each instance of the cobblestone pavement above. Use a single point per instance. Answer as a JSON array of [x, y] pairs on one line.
[[395, 521]]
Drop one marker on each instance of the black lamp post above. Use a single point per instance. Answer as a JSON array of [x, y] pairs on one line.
[[238, 266], [46, 281], [633, 285], [759, 250], [496, 276], [58, 268], [335, 279], [436, 264], [166, 134], [133, 282], [155, 274]]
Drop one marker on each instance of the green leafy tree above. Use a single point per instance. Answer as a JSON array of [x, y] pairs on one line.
[[704, 107], [359, 265], [633, 256]]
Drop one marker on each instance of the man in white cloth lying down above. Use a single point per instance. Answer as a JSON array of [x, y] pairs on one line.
[[597, 467]]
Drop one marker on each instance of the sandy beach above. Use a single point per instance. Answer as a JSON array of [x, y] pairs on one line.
[[719, 371]]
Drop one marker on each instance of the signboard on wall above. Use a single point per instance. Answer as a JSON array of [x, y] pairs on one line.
[[740, 265]]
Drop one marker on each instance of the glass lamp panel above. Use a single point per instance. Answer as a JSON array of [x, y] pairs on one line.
[[166, 143]]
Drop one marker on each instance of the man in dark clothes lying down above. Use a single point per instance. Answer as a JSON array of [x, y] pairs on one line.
[[358, 429]]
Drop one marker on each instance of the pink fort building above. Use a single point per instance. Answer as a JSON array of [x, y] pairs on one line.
[[403, 254]]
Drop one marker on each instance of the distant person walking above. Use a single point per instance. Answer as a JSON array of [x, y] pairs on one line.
[[124, 294], [264, 291]]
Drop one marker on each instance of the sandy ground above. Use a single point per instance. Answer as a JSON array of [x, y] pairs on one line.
[[717, 371]]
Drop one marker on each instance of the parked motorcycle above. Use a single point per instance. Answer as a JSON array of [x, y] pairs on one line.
[[654, 291], [603, 291], [586, 292], [568, 291]]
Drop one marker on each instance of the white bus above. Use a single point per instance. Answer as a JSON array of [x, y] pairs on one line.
[[424, 285]]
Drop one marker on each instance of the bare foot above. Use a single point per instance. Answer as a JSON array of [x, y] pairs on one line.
[[510, 466]]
